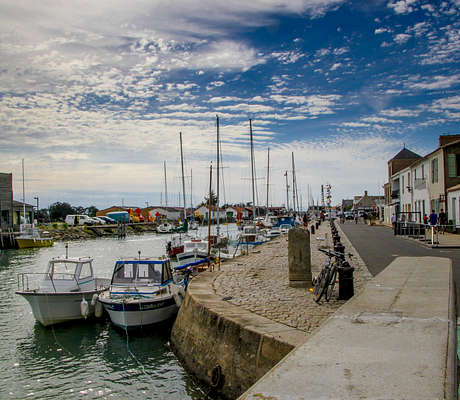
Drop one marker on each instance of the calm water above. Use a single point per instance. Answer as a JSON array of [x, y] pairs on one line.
[[83, 360]]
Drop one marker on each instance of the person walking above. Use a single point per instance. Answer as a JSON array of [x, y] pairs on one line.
[[433, 218], [442, 221]]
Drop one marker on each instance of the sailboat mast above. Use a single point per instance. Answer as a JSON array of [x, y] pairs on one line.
[[166, 184], [183, 179], [191, 189], [252, 171], [209, 212], [217, 180], [23, 194], [293, 182], [287, 192], [268, 178]]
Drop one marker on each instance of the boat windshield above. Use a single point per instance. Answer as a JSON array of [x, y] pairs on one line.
[[61, 270], [128, 272]]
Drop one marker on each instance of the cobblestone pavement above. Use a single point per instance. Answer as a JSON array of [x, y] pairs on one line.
[[258, 282]]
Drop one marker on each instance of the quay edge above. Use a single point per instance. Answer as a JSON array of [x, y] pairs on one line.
[[224, 345]]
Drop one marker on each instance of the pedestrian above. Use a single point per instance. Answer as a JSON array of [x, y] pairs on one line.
[[393, 220], [433, 218], [442, 221], [305, 220], [425, 219]]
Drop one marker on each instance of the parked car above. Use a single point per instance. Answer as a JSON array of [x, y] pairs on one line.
[[349, 215], [79, 220], [108, 220], [99, 220]]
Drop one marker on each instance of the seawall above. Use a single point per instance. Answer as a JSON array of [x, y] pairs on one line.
[[224, 345]]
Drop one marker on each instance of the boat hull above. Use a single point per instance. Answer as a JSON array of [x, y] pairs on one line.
[[26, 243], [135, 314], [55, 308]]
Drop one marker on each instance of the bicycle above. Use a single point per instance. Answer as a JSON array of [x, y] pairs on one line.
[[324, 282]]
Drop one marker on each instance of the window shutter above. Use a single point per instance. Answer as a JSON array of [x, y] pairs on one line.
[[451, 167]]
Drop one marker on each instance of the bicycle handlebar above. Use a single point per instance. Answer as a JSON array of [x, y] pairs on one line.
[[333, 253]]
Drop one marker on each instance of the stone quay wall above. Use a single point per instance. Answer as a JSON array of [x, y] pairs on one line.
[[237, 323]]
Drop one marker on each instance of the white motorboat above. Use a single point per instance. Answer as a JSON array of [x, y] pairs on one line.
[[251, 235], [164, 227], [194, 249], [272, 233], [142, 292], [65, 292]]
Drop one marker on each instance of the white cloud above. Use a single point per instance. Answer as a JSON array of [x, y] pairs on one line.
[[435, 82], [402, 6], [401, 38], [288, 57], [400, 112], [379, 31], [380, 120], [336, 66]]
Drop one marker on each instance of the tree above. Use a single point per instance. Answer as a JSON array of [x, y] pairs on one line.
[[91, 211], [58, 211], [213, 199]]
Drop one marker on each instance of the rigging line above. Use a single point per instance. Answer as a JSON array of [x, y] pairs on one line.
[[128, 348]]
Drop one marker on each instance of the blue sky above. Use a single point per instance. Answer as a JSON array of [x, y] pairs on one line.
[[93, 95]]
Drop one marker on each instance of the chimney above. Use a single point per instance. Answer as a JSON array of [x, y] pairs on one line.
[[446, 139]]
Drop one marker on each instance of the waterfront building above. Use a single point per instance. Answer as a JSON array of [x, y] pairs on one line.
[[416, 185]]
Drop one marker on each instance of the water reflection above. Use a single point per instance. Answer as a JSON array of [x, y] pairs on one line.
[[84, 359]]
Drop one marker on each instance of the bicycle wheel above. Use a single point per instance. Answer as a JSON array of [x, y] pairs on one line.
[[320, 287], [332, 277]]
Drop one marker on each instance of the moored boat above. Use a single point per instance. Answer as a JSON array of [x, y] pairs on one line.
[[31, 237], [65, 291], [142, 292]]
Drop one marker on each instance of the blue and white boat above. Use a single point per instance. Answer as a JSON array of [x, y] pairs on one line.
[[142, 292]]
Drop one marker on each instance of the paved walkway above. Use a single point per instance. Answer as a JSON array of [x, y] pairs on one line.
[[258, 282], [378, 247]]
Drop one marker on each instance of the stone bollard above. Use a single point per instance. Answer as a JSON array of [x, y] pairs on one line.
[[312, 228], [299, 258]]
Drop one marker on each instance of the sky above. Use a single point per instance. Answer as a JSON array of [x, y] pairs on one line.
[[93, 96]]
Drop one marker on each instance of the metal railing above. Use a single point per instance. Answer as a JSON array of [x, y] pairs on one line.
[[24, 284], [424, 232]]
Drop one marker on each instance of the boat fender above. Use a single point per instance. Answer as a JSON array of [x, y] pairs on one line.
[[84, 308], [94, 299], [98, 310], [178, 293]]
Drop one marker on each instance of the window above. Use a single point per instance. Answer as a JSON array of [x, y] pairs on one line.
[[451, 166], [85, 271], [434, 171], [408, 179], [402, 184], [457, 163], [423, 171]]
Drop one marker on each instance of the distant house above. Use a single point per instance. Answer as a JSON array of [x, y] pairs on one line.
[[12, 211], [347, 204], [367, 203], [203, 212], [171, 213]]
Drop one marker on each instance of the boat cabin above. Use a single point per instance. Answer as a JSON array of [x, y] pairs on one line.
[[69, 275], [196, 245], [141, 272]]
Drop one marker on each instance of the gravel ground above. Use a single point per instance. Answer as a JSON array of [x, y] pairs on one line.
[[258, 282]]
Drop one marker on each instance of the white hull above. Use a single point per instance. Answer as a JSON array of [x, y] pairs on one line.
[[55, 308], [126, 317]]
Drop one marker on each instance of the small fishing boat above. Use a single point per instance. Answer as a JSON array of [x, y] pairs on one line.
[[175, 245], [64, 292], [30, 238], [164, 227], [142, 292], [194, 249], [251, 235]]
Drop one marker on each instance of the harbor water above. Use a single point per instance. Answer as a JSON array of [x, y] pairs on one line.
[[87, 359]]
